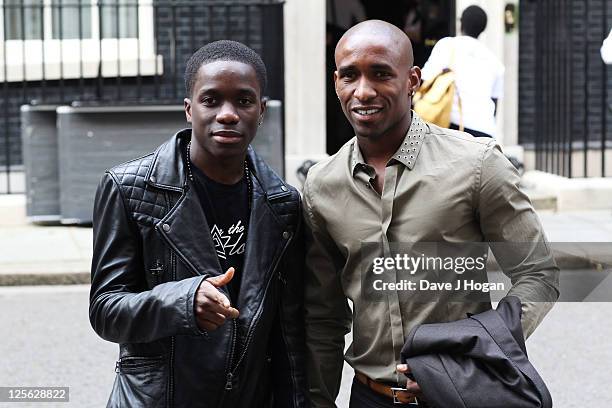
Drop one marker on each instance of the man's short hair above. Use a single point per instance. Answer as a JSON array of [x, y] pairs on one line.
[[473, 21], [224, 50]]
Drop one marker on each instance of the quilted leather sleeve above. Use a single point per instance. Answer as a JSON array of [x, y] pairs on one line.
[[121, 310]]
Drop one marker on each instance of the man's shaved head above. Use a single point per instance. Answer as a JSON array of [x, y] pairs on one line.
[[375, 80], [377, 30]]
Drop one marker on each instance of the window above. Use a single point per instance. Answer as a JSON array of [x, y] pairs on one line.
[[119, 19], [54, 39], [23, 19], [71, 19]]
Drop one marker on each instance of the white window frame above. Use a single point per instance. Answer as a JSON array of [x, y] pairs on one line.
[[24, 58]]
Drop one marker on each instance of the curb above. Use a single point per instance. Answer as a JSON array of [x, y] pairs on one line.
[[36, 279], [563, 262], [566, 263]]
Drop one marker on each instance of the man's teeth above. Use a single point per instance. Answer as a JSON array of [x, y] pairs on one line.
[[367, 111]]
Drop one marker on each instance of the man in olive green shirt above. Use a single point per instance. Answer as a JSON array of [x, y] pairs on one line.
[[402, 180]]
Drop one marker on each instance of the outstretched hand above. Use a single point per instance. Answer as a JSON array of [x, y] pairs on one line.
[[212, 307]]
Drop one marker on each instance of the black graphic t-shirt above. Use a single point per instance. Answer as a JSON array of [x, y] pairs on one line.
[[227, 213]]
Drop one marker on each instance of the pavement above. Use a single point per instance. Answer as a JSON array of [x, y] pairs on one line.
[[570, 349], [54, 345], [40, 255], [58, 255]]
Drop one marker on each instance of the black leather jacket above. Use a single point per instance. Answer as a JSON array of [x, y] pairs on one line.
[[152, 248]]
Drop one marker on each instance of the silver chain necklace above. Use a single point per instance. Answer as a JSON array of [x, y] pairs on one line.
[[247, 173]]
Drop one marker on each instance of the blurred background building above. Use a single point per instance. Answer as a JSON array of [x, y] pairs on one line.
[[555, 116]]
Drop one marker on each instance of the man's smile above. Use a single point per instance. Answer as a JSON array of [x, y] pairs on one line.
[[366, 113]]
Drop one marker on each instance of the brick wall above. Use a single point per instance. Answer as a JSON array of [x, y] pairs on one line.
[[260, 27]]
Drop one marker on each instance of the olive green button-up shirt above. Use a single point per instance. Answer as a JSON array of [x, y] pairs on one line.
[[440, 186]]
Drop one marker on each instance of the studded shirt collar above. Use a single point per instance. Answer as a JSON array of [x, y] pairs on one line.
[[407, 153]]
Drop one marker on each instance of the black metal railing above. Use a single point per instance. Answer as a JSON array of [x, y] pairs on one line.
[[110, 52], [565, 89]]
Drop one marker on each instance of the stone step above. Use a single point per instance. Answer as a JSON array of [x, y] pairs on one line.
[[541, 200]]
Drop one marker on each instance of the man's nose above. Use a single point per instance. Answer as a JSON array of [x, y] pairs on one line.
[[228, 114], [364, 90]]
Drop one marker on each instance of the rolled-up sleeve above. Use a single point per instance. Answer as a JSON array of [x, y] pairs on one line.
[[328, 316], [517, 239]]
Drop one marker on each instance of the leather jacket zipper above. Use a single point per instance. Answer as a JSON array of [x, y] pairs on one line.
[[230, 375], [136, 363], [172, 340], [171, 374], [170, 396], [291, 363], [232, 371], [175, 250], [156, 271]]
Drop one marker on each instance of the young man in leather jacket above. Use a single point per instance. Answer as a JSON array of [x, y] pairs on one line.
[[197, 263]]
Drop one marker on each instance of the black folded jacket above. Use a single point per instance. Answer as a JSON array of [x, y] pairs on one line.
[[478, 362]]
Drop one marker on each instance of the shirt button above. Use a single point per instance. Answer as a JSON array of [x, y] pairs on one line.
[[283, 188], [286, 235], [152, 179], [368, 185], [166, 227]]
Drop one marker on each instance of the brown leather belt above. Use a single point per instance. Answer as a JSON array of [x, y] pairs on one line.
[[397, 395]]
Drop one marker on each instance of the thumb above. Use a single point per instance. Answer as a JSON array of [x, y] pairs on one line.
[[222, 280]]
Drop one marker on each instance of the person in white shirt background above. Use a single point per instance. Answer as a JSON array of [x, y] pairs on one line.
[[606, 49], [479, 74]]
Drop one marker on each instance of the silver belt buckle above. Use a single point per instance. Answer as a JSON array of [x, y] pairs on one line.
[[396, 390]]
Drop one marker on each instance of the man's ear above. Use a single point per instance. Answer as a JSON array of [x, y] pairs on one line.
[[262, 110], [415, 79], [336, 83], [187, 106]]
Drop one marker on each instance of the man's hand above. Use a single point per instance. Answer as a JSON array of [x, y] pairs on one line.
[[411, 386], [211, 306]]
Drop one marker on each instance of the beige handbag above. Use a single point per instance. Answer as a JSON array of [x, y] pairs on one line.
[[434, 100]]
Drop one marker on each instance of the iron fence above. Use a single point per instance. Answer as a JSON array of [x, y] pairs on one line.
[[115, 52], [565, 107]]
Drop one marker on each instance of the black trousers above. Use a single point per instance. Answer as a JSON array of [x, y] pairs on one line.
[[472, 132], [363, 397]]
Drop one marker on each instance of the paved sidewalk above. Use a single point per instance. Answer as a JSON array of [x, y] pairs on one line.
[[36, 255], [39, 255]]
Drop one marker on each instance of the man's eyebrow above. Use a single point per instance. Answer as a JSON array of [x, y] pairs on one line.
[[378, 66], [345, 69], [213, 90], [247, 91], [383, 67]]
